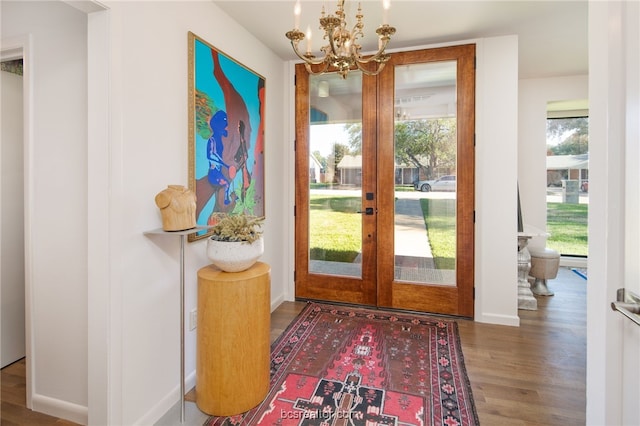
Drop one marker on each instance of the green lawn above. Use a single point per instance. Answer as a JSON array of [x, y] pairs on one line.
[[335, 229], [567, 224], [440, 218]]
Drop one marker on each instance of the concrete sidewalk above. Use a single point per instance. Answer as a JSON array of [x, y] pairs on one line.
[[410, 230]]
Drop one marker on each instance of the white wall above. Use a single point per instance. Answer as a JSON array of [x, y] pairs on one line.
[[12, 316], [496, 174], [613, 342], [532, 142], [148, 151], [56, 195], [104, 353]]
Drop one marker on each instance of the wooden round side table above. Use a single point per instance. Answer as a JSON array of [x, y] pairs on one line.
[[232, 349]]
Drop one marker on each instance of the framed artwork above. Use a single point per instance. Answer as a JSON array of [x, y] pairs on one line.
[[226, 135]]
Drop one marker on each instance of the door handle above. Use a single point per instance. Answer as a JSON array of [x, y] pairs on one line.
[[368, 211], [628, 304]]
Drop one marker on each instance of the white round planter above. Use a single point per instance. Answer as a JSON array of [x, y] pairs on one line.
[[234, 256]]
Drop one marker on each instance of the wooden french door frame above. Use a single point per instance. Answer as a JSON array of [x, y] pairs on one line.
[[357, 290], [453, 300], [377, 285]]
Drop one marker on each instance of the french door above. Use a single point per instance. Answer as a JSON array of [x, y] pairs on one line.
[[384, 211]]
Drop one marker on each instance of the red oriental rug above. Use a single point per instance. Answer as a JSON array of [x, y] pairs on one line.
[[339, 365]]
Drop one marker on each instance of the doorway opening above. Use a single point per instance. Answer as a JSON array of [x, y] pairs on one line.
[[12, 281], [16, 220]]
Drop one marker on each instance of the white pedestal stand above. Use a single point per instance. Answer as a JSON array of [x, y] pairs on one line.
[[525, 295]]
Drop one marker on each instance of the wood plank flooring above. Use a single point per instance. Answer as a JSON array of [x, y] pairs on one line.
[[534, 374], [13, 406]]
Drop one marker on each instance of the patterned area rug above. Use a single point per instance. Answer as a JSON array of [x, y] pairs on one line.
[[338, 365]]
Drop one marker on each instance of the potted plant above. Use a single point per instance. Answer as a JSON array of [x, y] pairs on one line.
[[236, 242]]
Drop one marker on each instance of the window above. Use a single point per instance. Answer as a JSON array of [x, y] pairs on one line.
[[568, 184]]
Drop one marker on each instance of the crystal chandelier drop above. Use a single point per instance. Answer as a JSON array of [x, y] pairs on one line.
[[342, 51]]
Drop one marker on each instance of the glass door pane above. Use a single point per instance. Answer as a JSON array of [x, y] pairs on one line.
[[425, 151], [335, 174]]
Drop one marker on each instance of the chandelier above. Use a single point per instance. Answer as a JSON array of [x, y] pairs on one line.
[[342, 51]]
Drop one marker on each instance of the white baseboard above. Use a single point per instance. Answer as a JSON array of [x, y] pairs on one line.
[[276, 302], [498, 319], [59, 408], [164, 405]]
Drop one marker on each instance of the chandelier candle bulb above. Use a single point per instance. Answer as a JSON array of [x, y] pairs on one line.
[[309, 40], [297, 11], [385, 11]]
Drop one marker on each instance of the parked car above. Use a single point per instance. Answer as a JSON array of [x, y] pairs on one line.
[[445, 183]]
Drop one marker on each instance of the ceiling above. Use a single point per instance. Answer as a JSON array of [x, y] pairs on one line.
[[552, 35]]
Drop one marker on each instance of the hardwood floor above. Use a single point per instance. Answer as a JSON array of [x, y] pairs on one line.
[[534, 374], [13, 407]]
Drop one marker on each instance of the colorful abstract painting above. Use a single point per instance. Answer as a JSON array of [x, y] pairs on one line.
[[226, 135]]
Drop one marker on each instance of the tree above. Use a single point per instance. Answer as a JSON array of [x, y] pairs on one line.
[[572, 146], [333, 159], [428, 144], [322, 160], [573, 134], [354, 130]]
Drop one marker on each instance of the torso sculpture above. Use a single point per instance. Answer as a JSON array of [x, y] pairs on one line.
[[177, 205]]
